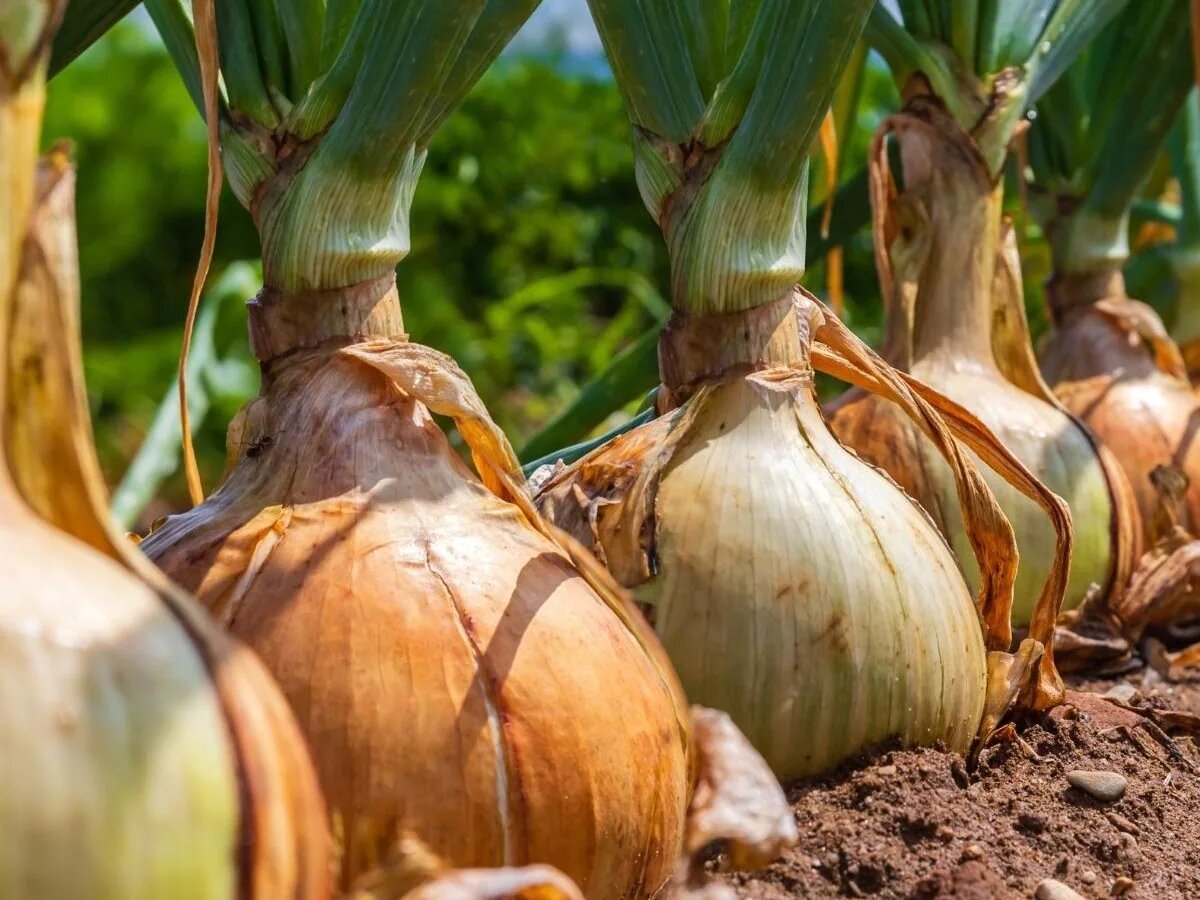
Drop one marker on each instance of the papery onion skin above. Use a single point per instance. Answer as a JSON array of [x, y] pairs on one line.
[[842, 573], [1106, 374], [454, 674], [1054, 448], [794, 587]]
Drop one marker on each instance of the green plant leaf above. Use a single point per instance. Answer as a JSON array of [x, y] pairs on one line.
[[631, 373], [84, 23], [173, 21], [647, 46], [1072, 26], [1185, 159], [1091, 148], [159, 455]]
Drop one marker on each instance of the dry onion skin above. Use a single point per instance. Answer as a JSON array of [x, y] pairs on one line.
[[738, 818], [142, 753], [955, 320], [455, 674], [1111, 362], [412, 871]]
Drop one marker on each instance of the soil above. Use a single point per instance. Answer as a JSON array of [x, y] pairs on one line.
[[917, 824]]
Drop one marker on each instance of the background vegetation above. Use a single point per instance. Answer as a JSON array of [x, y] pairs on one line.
[[533, 260]]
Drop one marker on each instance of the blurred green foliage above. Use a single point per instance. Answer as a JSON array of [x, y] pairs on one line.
[[532, 179], [533, 262]]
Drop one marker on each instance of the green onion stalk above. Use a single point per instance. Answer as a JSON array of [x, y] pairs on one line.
[[969, 71], [143, 754], [1108, 358], [462, 672], [1184, 145], [794, 586]]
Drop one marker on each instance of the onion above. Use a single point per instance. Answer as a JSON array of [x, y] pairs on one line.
[[145, 755], [1108, 358], [793, 585], [955, 321], [1111, 363], [453, 672]]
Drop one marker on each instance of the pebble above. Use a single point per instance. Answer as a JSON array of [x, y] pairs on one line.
[[972, 851], [1122, 691], [1123, 824], [886, 771], [1107, 787], [1049, 889], [1122, 886], [1088, 877]]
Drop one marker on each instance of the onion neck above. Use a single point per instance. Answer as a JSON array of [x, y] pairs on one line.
[[696, 348], [1070, 294], [284, 321], [1085, 242], [953, 314], [735, 237], [326, 225]]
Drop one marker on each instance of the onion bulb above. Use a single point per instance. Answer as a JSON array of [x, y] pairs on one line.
[[793, 585], [454, 673], [142, 753], [738, 814], [956, 321], [1110, 362]]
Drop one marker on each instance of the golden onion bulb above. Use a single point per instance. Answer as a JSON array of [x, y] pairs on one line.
[[453, 672], [793, 585], [1110, 362], [142, 753]]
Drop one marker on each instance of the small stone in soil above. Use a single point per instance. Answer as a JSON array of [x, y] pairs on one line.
[[1122, 886], [972, 851], [1088, 877], [1123, 824], [1107, 787], [1049, 889], [1122, 691]]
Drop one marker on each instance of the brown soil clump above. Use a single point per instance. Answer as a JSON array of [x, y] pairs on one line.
[[917, 824]]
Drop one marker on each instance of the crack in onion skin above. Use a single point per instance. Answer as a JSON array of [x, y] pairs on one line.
[[794, 586], [145, 754], [454, 674]]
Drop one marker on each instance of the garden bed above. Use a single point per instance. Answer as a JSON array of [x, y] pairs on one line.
[[916, 824]]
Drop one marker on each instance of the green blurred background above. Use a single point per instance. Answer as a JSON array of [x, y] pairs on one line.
[[533, 260]]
